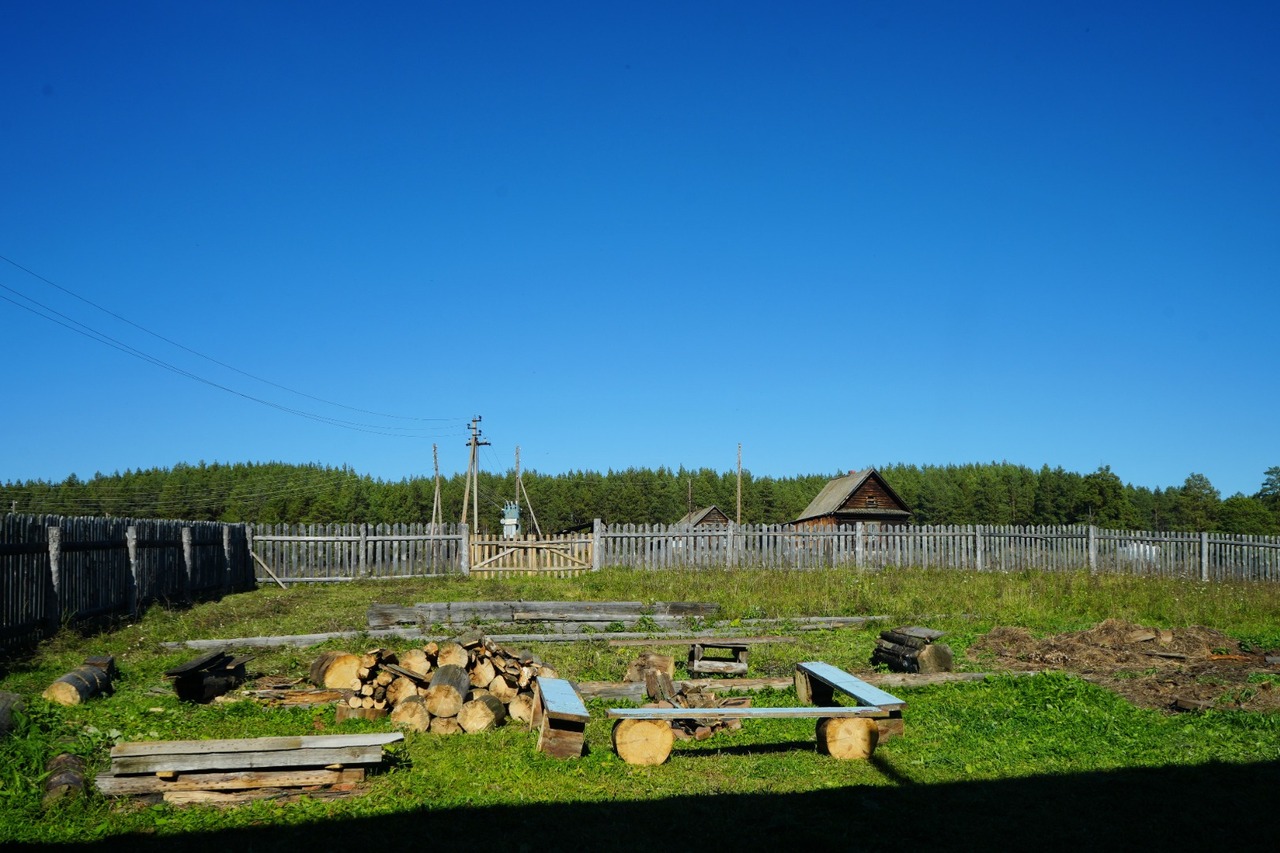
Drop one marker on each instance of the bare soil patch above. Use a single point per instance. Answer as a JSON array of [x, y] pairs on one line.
[[1173, 669]]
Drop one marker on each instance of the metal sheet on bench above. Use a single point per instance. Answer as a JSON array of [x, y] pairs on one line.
[[865, 693], [561, 701], [744, 713]]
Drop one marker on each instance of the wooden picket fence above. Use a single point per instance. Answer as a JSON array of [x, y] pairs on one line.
[[55, 569]]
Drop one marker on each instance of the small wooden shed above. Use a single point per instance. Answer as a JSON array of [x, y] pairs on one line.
[[859, 496], [710, 516]]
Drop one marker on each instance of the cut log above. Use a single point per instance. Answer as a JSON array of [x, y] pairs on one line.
[[936, 657], [445, 726], [645, 742], [452, 653], [346, 712], [84, 682], [482, 673], [503, 689], [481, 714], [400, 689], [416, 661], [521, 708], [447, 693], [334, 669], [412, 714], [847, 737], [650, 660], [65, 779]]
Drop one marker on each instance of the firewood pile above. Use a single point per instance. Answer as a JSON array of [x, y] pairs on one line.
[[469, 684], [664, 694], [912, 649]]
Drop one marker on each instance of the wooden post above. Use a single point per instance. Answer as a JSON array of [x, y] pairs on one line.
[[131, 543], [54, 608], [860, 544], [1204, 556], [1093, 549], [364, 551], [597, 529], [464, 547], [977, 547], [188, 562], [226, 557]]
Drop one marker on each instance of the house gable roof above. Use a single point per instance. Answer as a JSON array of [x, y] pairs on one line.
[[698, 516], [836, 493]]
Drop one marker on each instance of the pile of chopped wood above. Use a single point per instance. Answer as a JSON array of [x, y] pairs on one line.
[[469, 684], [912, 649], [662, 690]]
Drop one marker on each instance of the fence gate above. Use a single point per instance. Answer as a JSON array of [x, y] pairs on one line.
[[559, 556]]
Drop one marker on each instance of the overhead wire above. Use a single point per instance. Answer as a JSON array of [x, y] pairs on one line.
[[199, 354]]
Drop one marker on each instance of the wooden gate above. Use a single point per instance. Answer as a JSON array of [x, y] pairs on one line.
[[559, 556]]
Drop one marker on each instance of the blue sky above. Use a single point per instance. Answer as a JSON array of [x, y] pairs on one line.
[[839, 234]]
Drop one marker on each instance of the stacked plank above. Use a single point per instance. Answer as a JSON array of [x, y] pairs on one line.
[[912, 649], [239, 770], [560, 616], [469, 684]]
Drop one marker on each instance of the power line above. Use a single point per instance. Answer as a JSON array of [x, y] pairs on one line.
[[95, 335], [208, 358]]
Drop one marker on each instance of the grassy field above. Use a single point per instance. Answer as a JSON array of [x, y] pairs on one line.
[[1050, 760]]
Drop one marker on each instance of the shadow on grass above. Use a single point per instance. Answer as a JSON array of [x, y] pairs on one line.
[[1212, 807]]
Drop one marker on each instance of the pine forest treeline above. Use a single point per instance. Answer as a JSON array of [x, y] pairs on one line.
[[994, 493]]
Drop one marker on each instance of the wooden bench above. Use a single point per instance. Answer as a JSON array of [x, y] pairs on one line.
[[817, 683], [644, 736], [560, 718]]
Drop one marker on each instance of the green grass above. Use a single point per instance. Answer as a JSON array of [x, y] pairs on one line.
[[995, 762]]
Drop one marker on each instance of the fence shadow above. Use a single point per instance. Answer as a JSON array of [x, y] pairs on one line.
[[1216, 806]]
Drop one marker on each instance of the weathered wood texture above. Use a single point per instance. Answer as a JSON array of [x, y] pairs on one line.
[[560, 718], [596, 614], [307, 553], [59, 568]]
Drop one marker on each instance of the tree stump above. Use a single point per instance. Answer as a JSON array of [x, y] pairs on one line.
[[847, 737], [9, 702], [644, 742]]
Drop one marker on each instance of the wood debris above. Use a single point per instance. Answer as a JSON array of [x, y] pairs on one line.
[[662, 690]]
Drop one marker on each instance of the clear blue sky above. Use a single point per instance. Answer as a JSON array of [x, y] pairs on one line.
[[639, 234]]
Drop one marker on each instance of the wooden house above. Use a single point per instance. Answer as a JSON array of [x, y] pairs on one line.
[[710, 516], [860, 496]]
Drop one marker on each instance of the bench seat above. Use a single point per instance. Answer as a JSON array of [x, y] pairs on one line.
[[560, 718], [744, 713]]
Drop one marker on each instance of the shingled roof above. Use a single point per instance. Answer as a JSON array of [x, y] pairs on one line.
[[834, 499], [706, 515]]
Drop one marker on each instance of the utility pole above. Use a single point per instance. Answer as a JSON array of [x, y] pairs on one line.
[[473, 478], [435, 505], [739, 482]]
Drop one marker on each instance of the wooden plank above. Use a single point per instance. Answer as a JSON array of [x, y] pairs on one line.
[[254, 744], [731, 713], [113, 786], [710, 640], [205, 761], [850, 685]]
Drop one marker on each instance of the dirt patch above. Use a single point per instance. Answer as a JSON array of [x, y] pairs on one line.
[[1174, 669]]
